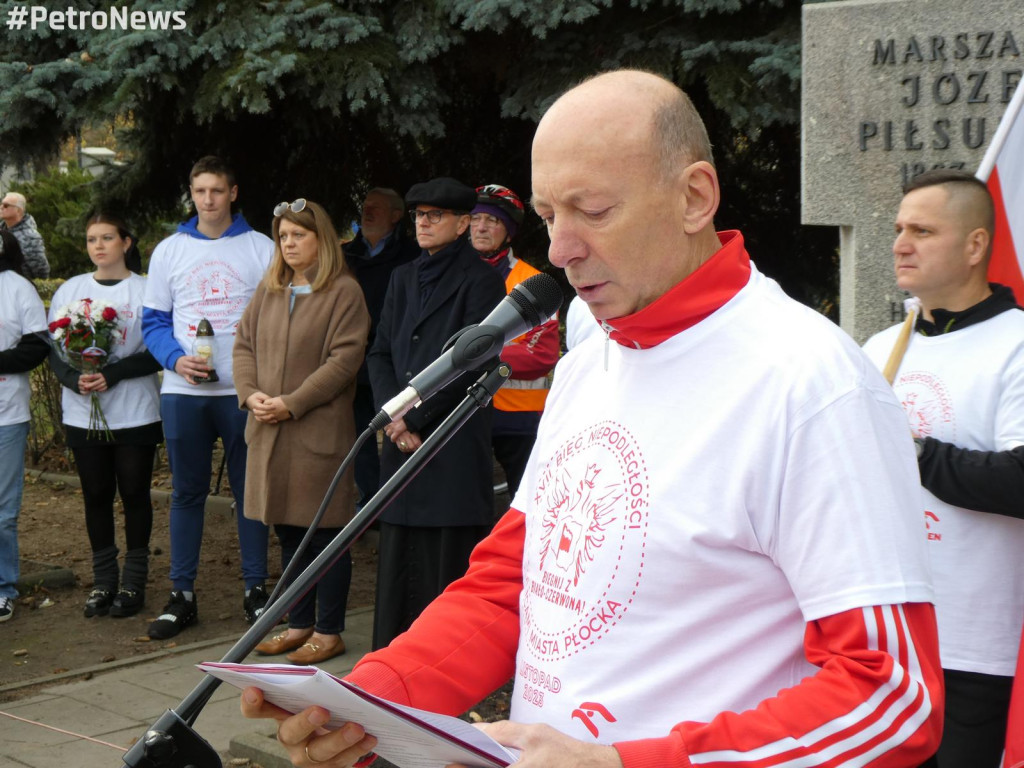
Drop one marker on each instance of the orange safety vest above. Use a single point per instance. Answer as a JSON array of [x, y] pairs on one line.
[[522, 394]]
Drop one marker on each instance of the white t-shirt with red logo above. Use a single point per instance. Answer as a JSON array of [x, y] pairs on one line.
[[967, 388], [21, 312], [693, 505], [214, 279], [133, 402]]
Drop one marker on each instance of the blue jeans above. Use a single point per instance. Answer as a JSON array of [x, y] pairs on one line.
[[191, 424], [12, 480]]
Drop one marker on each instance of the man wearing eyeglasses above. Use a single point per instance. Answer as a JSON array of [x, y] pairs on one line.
[[427, 533], [520, 401], [23, 227], [207, 270]]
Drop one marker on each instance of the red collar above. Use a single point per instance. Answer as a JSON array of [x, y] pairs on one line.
[[714, 283], [495, 257]]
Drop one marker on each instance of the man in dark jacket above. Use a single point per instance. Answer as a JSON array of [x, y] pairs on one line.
[[21, 224], [428, 532], [378, 247]]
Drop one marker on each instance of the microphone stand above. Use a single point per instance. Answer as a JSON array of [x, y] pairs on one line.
[[171, 742]]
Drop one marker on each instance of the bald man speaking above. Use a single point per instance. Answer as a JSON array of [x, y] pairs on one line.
[[715, 556]]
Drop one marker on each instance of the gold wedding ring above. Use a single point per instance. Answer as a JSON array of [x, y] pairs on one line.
[[310, 757]]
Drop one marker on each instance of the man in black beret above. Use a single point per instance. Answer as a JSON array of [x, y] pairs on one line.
[[428, 532]]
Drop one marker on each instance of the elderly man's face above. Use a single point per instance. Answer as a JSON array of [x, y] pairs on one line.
[[378, 218], [9, 212], [433, 237], [614, 221], [487, 232]]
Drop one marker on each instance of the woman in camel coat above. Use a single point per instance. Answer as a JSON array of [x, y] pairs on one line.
[[299, 345]]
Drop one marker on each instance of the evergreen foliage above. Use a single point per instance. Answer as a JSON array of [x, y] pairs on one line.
[[323, 99], [59, 201]]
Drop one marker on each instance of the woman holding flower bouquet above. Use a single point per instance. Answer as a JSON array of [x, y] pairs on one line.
[[111, 408], [299, 345]]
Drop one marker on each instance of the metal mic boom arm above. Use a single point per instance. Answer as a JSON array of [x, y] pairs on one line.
[[171, 742]]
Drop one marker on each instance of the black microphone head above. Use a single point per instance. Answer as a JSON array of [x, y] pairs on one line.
[[538, 298]]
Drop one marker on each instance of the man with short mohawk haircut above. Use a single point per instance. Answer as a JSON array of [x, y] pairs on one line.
[[961, 383]]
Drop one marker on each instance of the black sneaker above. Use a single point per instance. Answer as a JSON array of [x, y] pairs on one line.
[[255, 602], [179, 613], [127, 602], [6, 608], [98, 602]]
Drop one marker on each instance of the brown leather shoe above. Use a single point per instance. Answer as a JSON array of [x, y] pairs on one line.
[[314, 653], [281, 643]]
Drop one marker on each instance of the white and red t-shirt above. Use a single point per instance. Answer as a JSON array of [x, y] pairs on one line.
[[715, 555], [579, 323], [21, 312], [196, 278], [133, 402], [756, 448], [967, 388]]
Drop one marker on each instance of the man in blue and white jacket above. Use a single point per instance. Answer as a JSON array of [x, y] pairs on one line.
[[207, 270]]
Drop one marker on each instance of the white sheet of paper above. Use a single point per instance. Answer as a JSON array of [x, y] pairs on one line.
[[407, 737]]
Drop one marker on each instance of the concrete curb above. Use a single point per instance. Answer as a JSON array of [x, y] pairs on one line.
[[35, 574], [261, 749], [110, 666], [142, 658]]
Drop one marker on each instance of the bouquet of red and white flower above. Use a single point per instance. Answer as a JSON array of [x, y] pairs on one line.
[[85, 332]]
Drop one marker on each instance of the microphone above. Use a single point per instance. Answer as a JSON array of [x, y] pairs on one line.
[[531, 303]]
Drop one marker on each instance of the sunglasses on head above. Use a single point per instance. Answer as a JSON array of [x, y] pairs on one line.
[[297, 206]]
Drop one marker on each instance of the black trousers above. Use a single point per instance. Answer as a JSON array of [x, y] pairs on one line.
[[106, 470], [414, 565], [513, 452], [974, 729]]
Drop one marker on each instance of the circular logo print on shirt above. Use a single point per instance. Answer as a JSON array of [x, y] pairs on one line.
[[927, 404], [584, 555], [220, 291]]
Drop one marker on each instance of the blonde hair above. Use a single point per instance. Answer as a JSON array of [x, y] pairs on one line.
[[330, 261]]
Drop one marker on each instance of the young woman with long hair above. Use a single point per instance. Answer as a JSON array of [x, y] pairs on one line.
[[119, 461]]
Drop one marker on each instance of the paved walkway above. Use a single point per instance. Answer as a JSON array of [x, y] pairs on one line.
[[116, 706]]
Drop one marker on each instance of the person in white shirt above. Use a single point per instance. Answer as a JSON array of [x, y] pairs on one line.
[[580, 325], [206, 271], [961, 383], [23, 346], [117, 460], [692, 573]]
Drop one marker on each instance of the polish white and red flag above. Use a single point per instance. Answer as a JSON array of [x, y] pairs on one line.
[[1003, 170]]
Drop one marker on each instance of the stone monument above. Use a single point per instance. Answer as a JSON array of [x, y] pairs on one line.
[[892, 88]]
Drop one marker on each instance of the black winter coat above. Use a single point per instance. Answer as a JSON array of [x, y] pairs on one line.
[[456, 488], [374, 275]]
